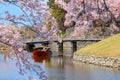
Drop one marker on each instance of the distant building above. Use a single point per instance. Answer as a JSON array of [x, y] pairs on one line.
[[27, 32]]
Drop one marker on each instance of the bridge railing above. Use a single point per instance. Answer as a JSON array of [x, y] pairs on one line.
[[67, 38], [83, 38]]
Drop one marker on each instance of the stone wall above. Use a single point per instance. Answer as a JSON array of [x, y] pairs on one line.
[[102, 61], [4, 48], [83, 44], [67, 51]]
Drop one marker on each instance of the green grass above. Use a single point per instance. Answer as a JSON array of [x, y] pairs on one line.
[[109, 47]]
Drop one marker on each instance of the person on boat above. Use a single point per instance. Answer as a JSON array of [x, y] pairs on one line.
[[49, 51]]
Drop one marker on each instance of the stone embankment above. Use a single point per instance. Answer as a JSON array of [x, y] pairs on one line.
[[102, 61], [4, 48]]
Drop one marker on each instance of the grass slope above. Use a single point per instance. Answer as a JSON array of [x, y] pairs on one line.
[[108, 47]]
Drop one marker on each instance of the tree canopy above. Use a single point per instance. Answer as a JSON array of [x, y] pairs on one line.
[[91, 13], [58, 13]]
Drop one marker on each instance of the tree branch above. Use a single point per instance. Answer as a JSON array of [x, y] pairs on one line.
[[107, 9]]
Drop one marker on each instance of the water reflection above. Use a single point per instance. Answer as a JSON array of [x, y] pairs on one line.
[[59, 68], [39, 59], [6, 56], [8, 70], [64, 68]]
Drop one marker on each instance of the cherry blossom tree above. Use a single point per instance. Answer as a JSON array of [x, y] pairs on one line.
[[9, 35], [82, 14], [36, 14], [91, 13]]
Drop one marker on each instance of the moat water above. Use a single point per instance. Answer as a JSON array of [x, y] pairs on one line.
[[59, 68]]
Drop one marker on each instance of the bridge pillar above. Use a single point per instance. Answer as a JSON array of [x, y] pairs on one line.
[[60, 47], [74, 46]]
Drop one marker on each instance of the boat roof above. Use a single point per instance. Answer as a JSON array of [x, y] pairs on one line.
[[41, 47]]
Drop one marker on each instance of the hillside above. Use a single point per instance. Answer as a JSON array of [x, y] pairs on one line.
[[108, 47]]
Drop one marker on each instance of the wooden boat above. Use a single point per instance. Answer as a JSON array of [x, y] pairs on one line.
[[42, 51]]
